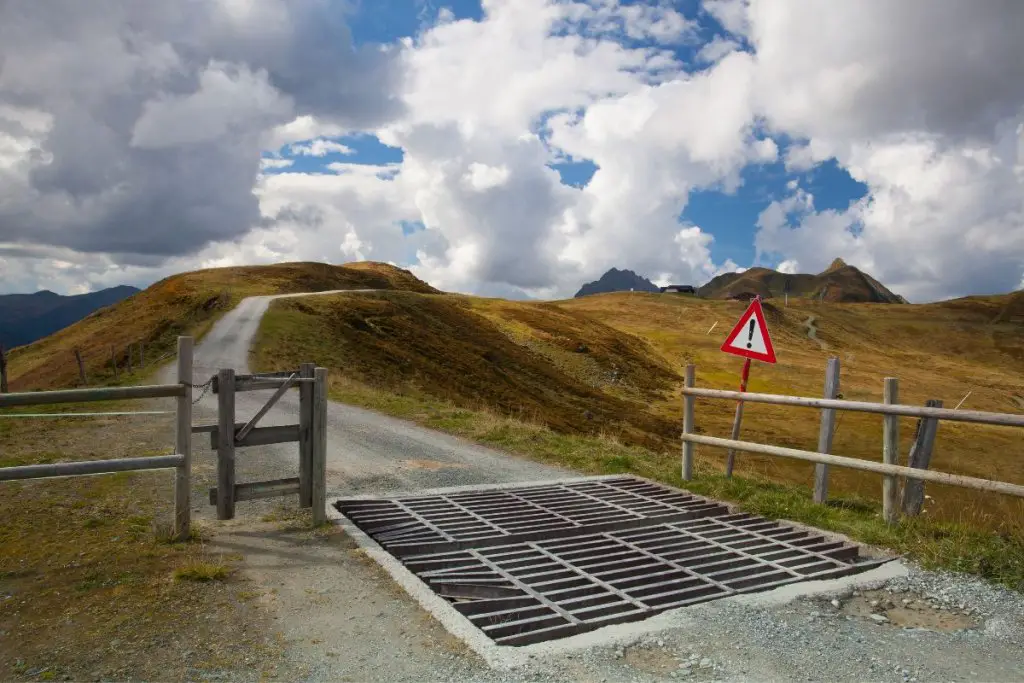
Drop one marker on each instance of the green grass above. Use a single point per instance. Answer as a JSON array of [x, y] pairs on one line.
[[202, 572], [958, 546]]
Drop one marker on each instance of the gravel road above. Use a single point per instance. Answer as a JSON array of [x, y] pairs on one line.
[[342, 618]]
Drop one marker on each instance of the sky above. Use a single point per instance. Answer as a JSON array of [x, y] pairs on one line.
[[513, 148]]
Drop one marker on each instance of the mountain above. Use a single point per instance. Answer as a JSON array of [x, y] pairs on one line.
[[24, 318], [839, 283], [616, 280]]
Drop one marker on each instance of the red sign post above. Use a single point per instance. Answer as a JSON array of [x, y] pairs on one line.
[[750, 340]]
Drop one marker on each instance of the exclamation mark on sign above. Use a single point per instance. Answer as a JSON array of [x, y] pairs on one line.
[[750, 334]]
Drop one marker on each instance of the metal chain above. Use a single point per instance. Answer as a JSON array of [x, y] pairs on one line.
[[205, 388]]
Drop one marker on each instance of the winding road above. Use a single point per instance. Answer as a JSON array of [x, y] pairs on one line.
[[812, 331], [367, 452]]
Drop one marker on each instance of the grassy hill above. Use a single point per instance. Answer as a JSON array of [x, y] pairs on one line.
[[840, 283], [186, 303]]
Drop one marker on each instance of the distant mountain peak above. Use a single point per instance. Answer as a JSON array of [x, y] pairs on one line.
[[615, 280], [28, 317], [841, 283], [836, 265]]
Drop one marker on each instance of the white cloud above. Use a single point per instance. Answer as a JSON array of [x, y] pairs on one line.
[[933, 131], [228, 100], [475, 90], [152, 120], [320, 147], [731, 14], [270, 162], [789, 266], [482, 177], [716, 49], [300, 128]]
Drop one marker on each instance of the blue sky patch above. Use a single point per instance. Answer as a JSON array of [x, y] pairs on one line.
[[732, 218], [411, 227], [383, 21], [575, 173], [358, 149]]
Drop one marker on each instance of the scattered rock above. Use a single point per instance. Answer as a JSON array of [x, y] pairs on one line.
[[706, 663], [835, 603], [880, 618]]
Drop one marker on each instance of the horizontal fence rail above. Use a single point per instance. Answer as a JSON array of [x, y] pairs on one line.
[[41, 398], [180, 461], [975, 416], [858, 464], [71, 469], [110, 414]]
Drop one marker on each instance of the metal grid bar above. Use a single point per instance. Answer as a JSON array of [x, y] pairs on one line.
[[414, 525], [651, 548]]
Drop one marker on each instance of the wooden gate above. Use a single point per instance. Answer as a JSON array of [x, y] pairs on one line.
[[310, 433]]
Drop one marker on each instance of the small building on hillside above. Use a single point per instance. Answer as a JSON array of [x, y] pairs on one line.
[[678, 289]]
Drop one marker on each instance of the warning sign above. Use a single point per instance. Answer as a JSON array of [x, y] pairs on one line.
[[750, 336]]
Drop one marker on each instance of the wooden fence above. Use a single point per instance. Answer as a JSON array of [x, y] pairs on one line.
[[180, 460], [225, 436], [891, 409]]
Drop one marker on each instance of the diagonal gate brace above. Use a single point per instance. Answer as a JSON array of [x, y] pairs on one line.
[[275, 397]]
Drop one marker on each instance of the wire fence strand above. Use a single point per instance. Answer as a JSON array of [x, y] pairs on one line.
[[108, 414]]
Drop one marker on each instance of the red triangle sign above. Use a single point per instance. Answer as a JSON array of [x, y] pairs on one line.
[[750, 336]]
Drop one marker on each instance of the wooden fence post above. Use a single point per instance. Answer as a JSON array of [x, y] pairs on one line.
[[920, 457], [891, 452], [129, 351], [3, 369], [319, 470], [113, 361], [142, 355], [183, 444], [306, 370], [226, 444], [688, 402], [81, 368], [730, 456], [828, 420]]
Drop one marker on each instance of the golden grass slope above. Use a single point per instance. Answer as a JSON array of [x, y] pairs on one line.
[[186, 303], [516, 360], [612, 364]]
